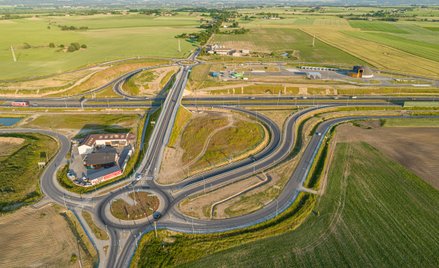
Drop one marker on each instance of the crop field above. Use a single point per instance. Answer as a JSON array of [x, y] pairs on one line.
[[39, 238], [19, 171], [403, 46], [379, 26], [108, 37], [375, 213], [419, 48], [285, 39]]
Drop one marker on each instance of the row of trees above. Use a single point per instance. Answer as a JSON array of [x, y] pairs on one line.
[[72, 28], [70, 48]]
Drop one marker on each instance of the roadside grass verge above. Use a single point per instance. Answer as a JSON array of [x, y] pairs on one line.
[[171, 248], [81, 237], [182, 118], [99, 233], [19, 171], [87, 123], [411, 122]]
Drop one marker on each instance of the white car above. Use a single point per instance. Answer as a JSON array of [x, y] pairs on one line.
[[138, 177]]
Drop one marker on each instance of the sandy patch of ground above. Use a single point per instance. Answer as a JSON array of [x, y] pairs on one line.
[[37, 238], [9, 145], [200, 206], [415, 148], [155, 86]]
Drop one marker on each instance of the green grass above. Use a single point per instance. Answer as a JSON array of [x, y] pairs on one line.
[[230, 143], [375, 213], [284, 39], [109, 37], [423, 49], [411, 122], [196, 133], [99, 233], [19, 172], [86, 123], [132, 85], [421, 104], [434, 29], [379, 26], [182, 118]]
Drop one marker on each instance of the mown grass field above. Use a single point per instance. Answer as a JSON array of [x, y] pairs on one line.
[[411, 122], [84, 124], [109, 37], [19, 171], [374, 213]]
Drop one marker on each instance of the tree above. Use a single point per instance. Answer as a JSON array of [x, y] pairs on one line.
[[51, 45], [84, 46]]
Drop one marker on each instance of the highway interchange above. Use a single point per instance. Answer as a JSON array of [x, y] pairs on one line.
[[125, 235]]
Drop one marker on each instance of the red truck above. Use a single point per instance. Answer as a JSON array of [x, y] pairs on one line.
[[20, 103]]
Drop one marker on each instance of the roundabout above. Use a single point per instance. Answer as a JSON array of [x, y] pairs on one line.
[[133, 207]]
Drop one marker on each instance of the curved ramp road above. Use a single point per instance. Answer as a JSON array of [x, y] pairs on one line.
[[124, 235]]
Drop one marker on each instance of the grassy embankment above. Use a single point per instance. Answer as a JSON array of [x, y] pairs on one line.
[[357, 222], [139, 81], [19, 171], [182, 118], [99, 233]]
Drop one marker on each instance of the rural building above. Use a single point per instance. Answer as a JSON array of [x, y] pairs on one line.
[[103, 156], [221, 50], [361, 72], [88, 144]]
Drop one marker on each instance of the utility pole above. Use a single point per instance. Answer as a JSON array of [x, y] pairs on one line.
[[155, 229], [13, 54], [179, 45], [313, 41]]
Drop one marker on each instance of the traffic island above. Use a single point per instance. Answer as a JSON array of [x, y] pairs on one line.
[[134, 206]]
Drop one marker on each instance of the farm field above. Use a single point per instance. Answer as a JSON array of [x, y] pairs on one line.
[[404, 46], [410, 142], [272, 39], [19, 171], [108, 37], [357, 222], [39, 238]]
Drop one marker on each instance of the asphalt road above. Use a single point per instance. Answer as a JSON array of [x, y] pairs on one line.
[[278, 150]]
